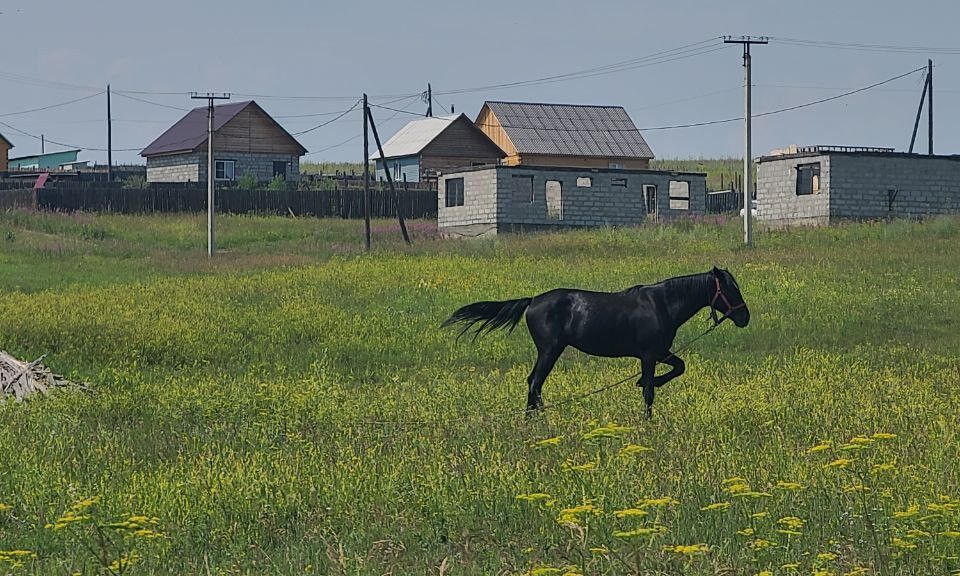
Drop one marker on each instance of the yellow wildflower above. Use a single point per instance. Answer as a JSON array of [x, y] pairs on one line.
[[533, 496], [633, 449], [764, 573], [688, 549], [760, 544], [4, 507], [574, 515], [759, 515], [917, 533], [902, 544], [884, 436], [950, 534], [586, 466], [630, 513], [884, 467], [548, 442], [654, 530], [792, 486], [791, 522], [820, 447], [858, 571], [600, 550], [791, 566], [611, 430], [839, 463], [661, 502], [745, 532], [544, 571], [862, 440], [849, 447], [910, 512], [716, 506], [826, 557]]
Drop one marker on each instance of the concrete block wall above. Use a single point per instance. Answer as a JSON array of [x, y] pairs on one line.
[[861, 186], [478, 215], [777, 201], [193, 167], [177, 168], [500, 198]]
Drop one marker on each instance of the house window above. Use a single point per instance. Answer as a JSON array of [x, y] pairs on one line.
[[622, 182], [523, 183], [808, 179], [454, 190], [679, 195], [584, 182], [615, 165], [396, 170], [224, 170], [280, 169], [554, 195], [650, 199]]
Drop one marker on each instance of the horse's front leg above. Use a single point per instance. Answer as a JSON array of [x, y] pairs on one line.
[[678, 368], [647, 380]]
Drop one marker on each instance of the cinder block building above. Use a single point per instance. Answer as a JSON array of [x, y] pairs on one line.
[[489, 200], [246, 140], [817, 185]]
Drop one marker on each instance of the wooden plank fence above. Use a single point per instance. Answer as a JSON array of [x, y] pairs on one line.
[[172, 197], [724, 201]]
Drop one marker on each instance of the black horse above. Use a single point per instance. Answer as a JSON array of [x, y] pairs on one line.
[[639, 322]]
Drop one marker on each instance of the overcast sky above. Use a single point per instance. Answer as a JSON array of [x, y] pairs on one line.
[[59, 51]]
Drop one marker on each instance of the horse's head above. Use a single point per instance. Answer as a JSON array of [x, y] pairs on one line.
[[728, 300]]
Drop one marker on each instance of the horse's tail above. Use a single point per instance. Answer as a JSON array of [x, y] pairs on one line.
[[490, 315]]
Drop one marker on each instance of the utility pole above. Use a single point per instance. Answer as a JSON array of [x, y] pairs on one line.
[[366, 177], [109, 139], [746, 41], [916, 123], [43, 145], [930, 107], [429, 100], [386, 170], [210, 97]]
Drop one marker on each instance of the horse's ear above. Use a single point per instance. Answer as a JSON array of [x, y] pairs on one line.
[[715, 271]]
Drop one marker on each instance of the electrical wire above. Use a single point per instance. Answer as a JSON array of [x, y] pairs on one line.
[[331, 121], [151, 102], [51, 106], [865, 47]]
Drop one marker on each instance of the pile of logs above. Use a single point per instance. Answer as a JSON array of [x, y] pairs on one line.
[[19, 380]]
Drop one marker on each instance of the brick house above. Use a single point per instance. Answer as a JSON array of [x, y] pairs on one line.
[[819, 185], [496, 199], [246, 141]]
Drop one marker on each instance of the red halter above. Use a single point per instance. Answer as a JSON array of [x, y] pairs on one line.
[[719, 295]]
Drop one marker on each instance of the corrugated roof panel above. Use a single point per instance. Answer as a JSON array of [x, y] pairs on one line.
[[563, 129]]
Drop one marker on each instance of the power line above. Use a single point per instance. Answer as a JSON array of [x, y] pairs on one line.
[[356, 136], [63, 144], [662, 57], [51, 106], [151, 102], [866, 47], [331, 121]]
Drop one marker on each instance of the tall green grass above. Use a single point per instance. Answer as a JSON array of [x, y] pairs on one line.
[[292, 407]]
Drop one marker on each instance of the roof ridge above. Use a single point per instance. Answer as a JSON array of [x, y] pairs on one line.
[[552, 104]]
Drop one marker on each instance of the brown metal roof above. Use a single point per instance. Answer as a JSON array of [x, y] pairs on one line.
[[191, 130], [570, 130]]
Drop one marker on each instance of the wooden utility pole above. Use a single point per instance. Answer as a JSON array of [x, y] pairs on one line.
[[386, 170], [746, 41], [429, 100], [210, 97], [930, 107], [916, 122], [366, 176], [109, 139]]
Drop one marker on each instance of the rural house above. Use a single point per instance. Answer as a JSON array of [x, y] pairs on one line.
[[818, 185], [63, 160], [425, 147], [490, 200], [5, 146], [246, 141], [565, 135]]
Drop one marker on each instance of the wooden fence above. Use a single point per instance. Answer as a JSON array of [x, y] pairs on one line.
[[335, 202], [724, 201], [19, 198]]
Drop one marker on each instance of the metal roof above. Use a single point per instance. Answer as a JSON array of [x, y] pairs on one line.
[[191, 130], [414, 137], [571, 130]]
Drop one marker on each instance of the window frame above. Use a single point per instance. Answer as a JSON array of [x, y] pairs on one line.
[[533, 193], [233, 164], [679, 200], [651, 208], [815, 169], [458, 195], [557, 204], [585, 182]]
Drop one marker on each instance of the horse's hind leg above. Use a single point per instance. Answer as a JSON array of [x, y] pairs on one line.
[[678, 367], [647, 379], [545, 362]]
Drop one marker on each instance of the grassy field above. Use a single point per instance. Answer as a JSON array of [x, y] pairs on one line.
[[291, 407]]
